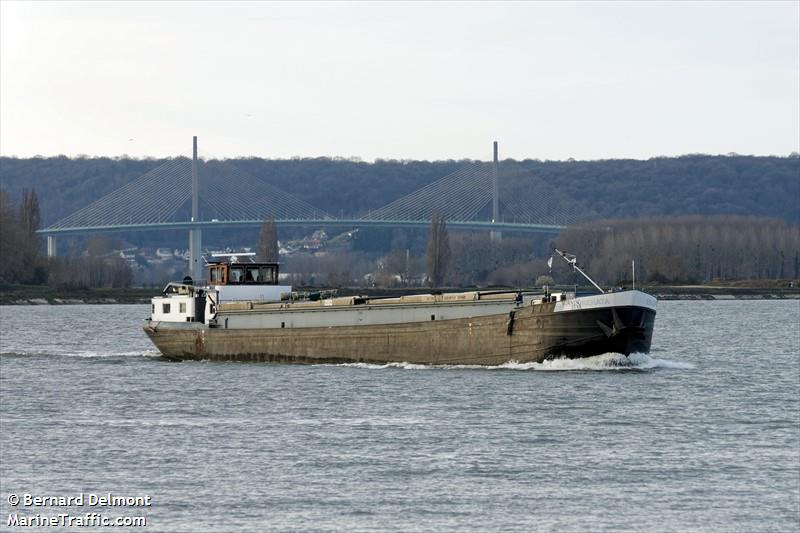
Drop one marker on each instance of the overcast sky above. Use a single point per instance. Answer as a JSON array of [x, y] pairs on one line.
[[401, 81]]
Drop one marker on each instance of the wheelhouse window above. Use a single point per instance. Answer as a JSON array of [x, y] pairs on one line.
[[267, 275], [236, 275], [216, 274]]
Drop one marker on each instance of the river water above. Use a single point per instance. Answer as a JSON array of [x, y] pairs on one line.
[[703, 434]]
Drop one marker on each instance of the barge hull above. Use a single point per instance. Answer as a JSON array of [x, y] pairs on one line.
[[525, 334]]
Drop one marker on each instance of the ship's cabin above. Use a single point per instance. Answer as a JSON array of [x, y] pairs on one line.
[[243, 273]]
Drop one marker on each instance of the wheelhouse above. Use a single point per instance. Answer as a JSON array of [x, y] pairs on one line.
[[243, 273]]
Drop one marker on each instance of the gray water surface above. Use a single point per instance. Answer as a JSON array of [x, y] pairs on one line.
[[703, 434]]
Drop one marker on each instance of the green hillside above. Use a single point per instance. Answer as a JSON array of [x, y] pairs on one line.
[[687, 185]]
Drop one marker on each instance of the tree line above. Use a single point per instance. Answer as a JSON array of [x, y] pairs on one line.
[[669, 250], [25, 263], [445, 259], [684, 249], [689, 249]]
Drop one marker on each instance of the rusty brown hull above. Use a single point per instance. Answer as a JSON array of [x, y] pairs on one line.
[[529, 334]]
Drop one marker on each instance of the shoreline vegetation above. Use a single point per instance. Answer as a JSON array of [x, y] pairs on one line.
[[729, 290], [672, 247]]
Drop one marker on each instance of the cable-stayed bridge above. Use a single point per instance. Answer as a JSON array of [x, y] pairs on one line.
[[192, 194], [163, 196], [467, 196]]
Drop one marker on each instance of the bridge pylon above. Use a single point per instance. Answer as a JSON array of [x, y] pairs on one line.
[[51, 246], [495, 235], [195, 235]]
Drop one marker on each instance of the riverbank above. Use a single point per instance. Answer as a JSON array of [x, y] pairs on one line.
[[707, 292], [43, 295]]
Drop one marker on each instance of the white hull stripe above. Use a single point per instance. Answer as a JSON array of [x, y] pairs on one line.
[[614, 299]]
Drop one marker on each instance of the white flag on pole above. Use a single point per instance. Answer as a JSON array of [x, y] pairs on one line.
[[550, 263]]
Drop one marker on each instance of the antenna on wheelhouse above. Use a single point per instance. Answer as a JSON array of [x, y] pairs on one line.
[[572, 260]]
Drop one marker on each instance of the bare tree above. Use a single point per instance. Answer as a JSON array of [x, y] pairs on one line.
[[29, 216], [401, 264], [29, 220], [438, 251], [10, 240], [268, 241]]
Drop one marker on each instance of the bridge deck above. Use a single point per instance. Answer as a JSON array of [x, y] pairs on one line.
[[350, 223]]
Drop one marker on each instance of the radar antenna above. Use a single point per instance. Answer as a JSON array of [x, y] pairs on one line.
[[234, 257]]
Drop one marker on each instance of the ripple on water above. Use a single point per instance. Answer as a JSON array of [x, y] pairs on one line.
[[702, 433]]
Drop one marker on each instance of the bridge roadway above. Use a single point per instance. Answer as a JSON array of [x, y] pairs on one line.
[[346, 223]]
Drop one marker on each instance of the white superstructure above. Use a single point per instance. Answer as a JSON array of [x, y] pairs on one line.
[[227, 282]]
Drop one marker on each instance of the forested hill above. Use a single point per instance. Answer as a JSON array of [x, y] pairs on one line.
[[692, 184]]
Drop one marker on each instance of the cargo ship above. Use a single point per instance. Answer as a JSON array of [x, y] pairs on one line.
[[242, 313]]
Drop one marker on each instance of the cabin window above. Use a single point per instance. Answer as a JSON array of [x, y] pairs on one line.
[[165, 308], [433, 317], [237, 275], [266, 275], [243, 274], [259, 275], [182, 307], [152, 309]]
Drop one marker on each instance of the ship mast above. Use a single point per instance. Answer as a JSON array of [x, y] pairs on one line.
[[572, 260]]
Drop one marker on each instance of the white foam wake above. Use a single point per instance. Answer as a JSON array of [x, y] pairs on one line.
[[82, 353], [607, 361], [91, 353]]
